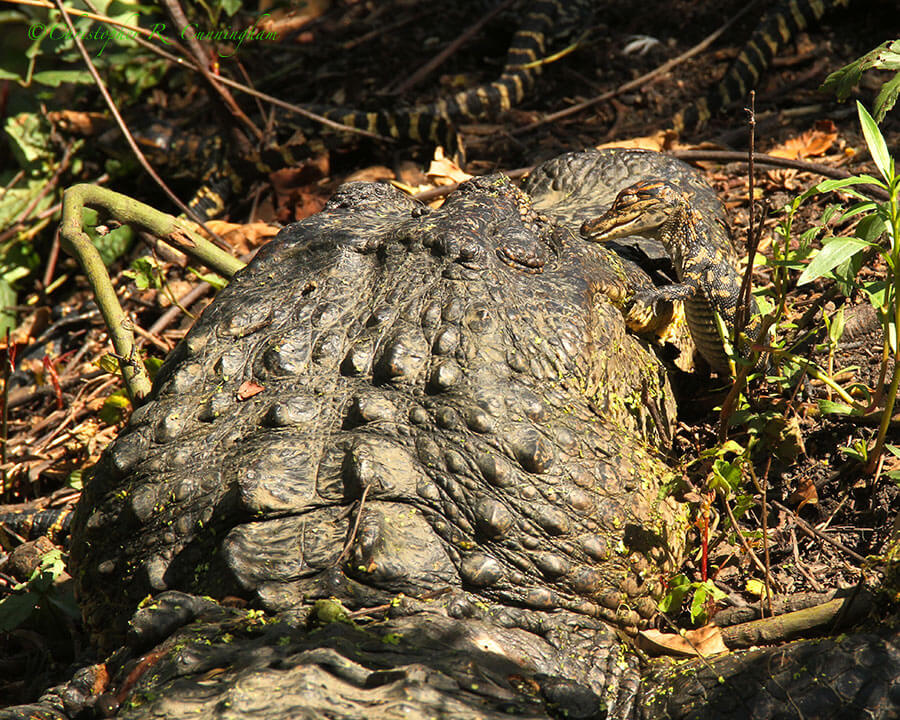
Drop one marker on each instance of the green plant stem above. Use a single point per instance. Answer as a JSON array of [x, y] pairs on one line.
[[891, 396], [176, 232], [813, 371]]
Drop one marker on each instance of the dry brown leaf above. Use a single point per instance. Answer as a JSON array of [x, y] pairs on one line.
[[805, 494], [704, 641], [248, 389], [814, 142], [443, 171], [373, 173], [659, 141], [31, 327], [242, 238], [298, 190], [83, 124]]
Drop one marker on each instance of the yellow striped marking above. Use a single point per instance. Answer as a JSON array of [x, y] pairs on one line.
[[770, 42], [503, 91], [538, 37], [392, 125], [463, 102], [797, 15], [435, 126], [485, 98], [783, 29], [414, 119], [516, 81], [745, 58], [757, 51], [530, 53]]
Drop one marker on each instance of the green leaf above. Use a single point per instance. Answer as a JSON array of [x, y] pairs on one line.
[[870, 228], [8, 297], [845, 274], [891, 330], [875, 142], [858, 451], [887, 97], [145, 273], [108, 363], [877, 293], [217, 281], [827, 407], [16, 609], [833, 254], [65, 602], [52, 561], [836, 325], [55, 78], [115, 408], [854, 210], [75, 479], [755, 587], [7, 75], [726, 476], [885, 57], [843, 184], [153, 364], [678, 588], [698, 604], [31, 143], [231, 6]]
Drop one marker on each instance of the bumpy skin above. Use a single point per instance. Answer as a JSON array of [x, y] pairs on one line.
[[848, 677], [459, 370], [449, 395]]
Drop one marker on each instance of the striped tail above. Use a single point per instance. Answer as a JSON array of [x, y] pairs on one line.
[[774, 31], [31, 524]]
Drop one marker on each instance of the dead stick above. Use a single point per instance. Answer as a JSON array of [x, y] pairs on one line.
[[442, 56], [637, 82], [810, 530]]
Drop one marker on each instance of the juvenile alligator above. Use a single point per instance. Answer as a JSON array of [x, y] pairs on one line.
[[435, 418], [708, 284], [545, 27], [31, 523], [551, 23]]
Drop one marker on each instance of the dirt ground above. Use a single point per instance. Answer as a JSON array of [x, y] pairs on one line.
[[353, 53]]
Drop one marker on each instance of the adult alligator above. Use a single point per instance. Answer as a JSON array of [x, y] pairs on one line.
[[438, 420]]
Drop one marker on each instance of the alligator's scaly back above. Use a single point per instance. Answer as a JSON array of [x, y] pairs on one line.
[[456, 374], [441, 404]]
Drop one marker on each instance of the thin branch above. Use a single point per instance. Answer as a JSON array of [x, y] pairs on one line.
[[202, 63], [810, 530], [637, 82], [763, 159], [442, 56], [129, 138]]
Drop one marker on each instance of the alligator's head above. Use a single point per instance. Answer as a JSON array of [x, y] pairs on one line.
[[640, 209], [393, 399]]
